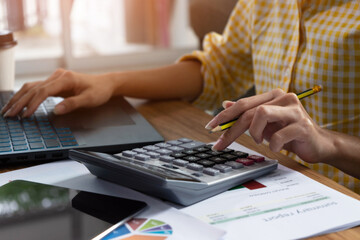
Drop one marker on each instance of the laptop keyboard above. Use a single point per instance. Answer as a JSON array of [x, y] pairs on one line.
[[33, 133]]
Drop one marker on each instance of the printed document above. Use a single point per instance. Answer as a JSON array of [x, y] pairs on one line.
[[282, 205]]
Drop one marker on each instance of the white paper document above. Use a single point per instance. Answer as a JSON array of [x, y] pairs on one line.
[[173, 224], [282, 205]]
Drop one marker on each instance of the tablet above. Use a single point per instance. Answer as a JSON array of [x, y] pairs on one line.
[[31, 210]]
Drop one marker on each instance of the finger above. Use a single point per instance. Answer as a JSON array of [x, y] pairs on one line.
[[25, 88], [284, 136], [243, 105], [28, 87], [72, 103], [227, 104], [33, 98], [266, 114], [240, 126], [53, 88]]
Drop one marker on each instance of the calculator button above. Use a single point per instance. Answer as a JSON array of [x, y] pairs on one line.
[[163, 145], [151, 148], [214, 153], [164, 151], [202, 149], [174, 142], [240, 154], [229, 157], [195, 167], [191, 158], [222, 168], [190, 152], [206, 163], [211, 171], [256, 158], [166, 158], [176, 148], [128, 153], [234, 165], [227, 150], [139, 150], [202, 155], [218, 160], [185, 140], [153, 154], [142, 157], [192, 145], [178, 155], [245, 161], [179, 162]]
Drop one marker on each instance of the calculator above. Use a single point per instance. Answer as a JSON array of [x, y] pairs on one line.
[[183, 171]]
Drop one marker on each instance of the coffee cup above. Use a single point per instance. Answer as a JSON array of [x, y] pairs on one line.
[[7, 60]]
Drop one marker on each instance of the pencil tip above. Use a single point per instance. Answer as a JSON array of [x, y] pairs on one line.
[[216, 129]]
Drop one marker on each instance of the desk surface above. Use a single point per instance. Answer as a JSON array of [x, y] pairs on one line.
[[176, 119]]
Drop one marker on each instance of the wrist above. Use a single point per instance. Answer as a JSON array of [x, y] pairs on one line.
[[115, 80], [329, 146]]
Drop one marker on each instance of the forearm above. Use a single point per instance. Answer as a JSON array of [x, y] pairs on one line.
[[346, 153], [178, 81]]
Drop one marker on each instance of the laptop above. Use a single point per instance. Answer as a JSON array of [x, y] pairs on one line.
[[110, 128]]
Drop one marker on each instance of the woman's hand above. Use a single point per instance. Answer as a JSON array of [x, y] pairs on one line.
[[79, 90], [279, 118]]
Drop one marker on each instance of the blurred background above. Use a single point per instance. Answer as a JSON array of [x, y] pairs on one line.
[[93, 35]]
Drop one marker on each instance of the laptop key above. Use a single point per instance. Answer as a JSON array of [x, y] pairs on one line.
[[35, 139], [69, 144], [20, 148], [4, 140], [5, 149], [7, 144], [51, 143], [36, 145], [18, 138], [18, 143]]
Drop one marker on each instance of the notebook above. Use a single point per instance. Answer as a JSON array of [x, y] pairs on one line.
[[112, 127]]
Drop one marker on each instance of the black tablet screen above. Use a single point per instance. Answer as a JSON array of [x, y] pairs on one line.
[[37, 211]]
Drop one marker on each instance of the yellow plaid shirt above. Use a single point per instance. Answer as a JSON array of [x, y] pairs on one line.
[[293, 45]]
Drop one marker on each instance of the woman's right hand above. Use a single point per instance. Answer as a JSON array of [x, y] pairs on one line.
[[77, 89]]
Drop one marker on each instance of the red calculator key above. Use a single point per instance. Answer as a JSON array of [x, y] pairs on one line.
[[245, 161], [256, 158]]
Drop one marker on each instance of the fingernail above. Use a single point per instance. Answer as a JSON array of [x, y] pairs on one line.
[[209, 126], [7, 113], [224, 103], [214, 147], [59, 109], [25, 114]]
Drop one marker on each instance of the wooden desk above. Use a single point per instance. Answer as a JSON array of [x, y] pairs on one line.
[[176, 119]]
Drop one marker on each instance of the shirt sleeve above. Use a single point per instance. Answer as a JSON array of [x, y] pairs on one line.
[[226, 60]]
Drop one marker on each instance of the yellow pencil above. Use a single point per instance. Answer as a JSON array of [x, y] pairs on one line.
[[224, 126]]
